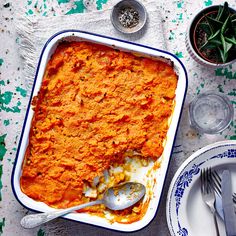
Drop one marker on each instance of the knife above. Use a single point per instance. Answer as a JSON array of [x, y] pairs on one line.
[[227, 204], [219, 209]]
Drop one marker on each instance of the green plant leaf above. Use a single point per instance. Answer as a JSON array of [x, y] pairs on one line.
[[233, 16], [214, 24], [223, 42], [227, 25], [224, 13], [226, 45], [216, 42], [233, 22], [215, 35], [208, 45], [231, 40], [223, 55], [219, 12], [213, 43], [205, 27], [204, 45]]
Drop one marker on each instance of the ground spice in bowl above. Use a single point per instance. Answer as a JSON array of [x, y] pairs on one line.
[[128, 17]]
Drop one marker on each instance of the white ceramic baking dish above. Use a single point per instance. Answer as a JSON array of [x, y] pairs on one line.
[[156, 178]]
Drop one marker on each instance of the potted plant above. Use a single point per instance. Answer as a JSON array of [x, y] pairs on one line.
[[211, 38]]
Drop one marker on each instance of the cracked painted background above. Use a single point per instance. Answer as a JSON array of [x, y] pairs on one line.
[[14, 100]]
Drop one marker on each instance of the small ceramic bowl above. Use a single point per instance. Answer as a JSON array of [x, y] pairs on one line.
[[123, 6]]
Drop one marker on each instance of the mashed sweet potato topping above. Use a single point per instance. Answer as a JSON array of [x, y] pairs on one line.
[[95, 104]]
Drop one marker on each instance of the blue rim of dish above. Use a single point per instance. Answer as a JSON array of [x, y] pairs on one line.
[[184, 179], [29, 103]]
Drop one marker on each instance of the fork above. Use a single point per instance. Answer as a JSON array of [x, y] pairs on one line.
[[208, 194], [216, 180]]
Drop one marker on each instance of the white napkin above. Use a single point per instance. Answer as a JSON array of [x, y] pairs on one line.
[[34, 32]]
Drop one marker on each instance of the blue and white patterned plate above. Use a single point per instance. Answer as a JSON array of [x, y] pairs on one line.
[[187, 214]]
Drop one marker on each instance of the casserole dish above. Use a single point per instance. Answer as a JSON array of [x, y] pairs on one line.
[[154, 181]]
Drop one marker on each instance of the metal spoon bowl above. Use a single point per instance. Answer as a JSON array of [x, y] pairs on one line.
[[115, 198]]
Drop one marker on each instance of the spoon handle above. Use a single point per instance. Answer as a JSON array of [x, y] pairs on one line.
[[31, 221]]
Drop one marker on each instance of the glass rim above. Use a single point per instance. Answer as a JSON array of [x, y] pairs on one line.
[[229, 118]]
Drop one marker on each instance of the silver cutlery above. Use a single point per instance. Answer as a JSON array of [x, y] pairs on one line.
[[216, 181], [227, 204], [208, 194], [115, 198]]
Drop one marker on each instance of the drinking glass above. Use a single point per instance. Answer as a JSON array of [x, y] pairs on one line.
[[210, 112]]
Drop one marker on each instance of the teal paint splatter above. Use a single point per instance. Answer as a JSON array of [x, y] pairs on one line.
[[172, 35], [230, 75], [29, 2], [220, 87], [1, 172], [3, 150], [180, 16], [233, 125], [179, 54], [14, 109], [226, 72], [36, 4], [22, 91], [2, 224], [14, 149], [17, 40], [30, 12], [41, 233], [6, 122], [232, 137], [1, 61], [5, 99], [2, 82], [179, 4], [233, 93], [208, 3], [79, 8], [218, 72], [198, 89], [62, 1], [100, 3]]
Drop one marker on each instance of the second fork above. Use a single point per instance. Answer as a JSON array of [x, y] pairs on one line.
[[208, 194]]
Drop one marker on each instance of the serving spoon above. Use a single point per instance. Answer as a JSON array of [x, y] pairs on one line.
[[115, 198]]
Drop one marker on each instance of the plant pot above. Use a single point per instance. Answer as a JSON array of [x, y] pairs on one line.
[[191, 39]]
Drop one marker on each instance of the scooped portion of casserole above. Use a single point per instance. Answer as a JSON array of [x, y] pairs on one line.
[[96, 106]]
